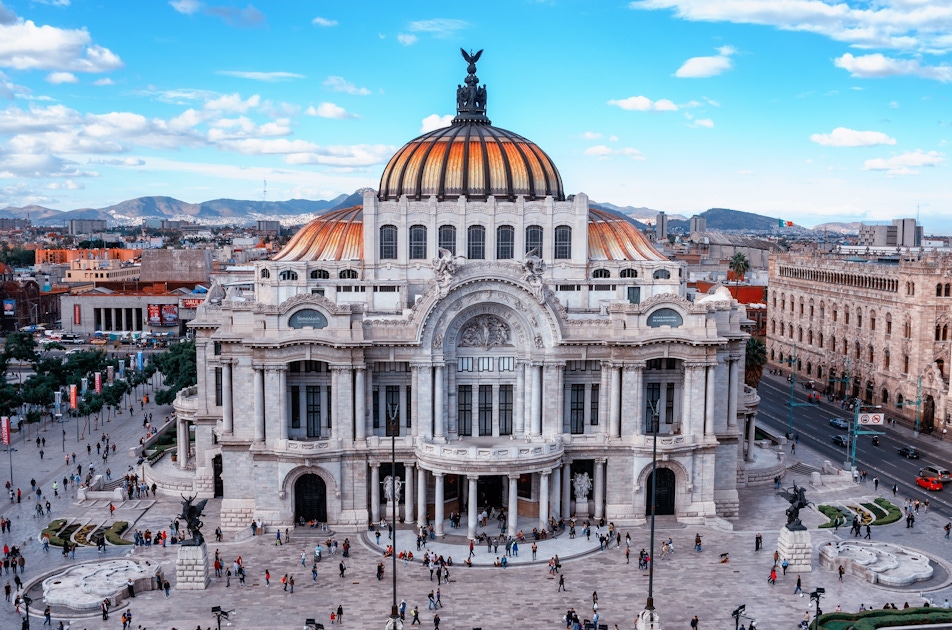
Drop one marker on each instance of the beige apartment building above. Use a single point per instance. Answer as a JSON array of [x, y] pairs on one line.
[[868, 327]]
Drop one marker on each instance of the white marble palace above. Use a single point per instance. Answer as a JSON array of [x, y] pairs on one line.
[[519, 346]]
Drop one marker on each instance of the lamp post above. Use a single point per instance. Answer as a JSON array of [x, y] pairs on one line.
[[27, 600], [917, 403], [649, 619], [874, 419], [815, 596], [792, 362], [737, 614], [393, 427], [220, 614]]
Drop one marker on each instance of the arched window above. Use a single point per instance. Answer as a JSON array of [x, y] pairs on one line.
[[947, 287], [320, 274], [505, 242], [265, 273], [771, 355], [885, 359], [799, 335], [563, 242], [872, 320], [821, 340], [447, 238], [601, 273], [938, 332], [809, 369], [417, 242], [388, 242], [938, 290], [869, 354], [899, 400], [629, 273], [945, 332], [476, 242], [940, 363], [819, 371], [885, 395], [347, 274], [662, 274], [888, 323], [534, 240], [810, 337], [287, 275]]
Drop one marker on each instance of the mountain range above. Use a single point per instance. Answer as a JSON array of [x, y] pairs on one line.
[[299, 211]]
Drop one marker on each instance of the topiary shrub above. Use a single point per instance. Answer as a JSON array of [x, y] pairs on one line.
[[893, 513], [114, 533], [52, 530]]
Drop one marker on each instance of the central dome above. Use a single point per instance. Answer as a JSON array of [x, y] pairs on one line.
[[470, 158]]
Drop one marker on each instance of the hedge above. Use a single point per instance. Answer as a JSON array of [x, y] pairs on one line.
[[831, 512], [52, 530], [893, 513], [873, 619], [114, 533]]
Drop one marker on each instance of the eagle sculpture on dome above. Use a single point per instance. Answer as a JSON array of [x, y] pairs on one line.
[[471, 59]]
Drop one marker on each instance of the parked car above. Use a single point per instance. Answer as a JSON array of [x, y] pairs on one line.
[[841, 440], [929, 483], [839, 423], [909, 452], [939, 473]]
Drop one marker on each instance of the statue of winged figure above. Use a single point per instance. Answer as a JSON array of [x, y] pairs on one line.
[[471, 59], [796, 496], [192, 515]]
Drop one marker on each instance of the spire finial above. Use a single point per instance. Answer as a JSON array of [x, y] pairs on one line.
[[471, 98]]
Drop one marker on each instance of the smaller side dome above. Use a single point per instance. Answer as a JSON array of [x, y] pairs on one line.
[[337, 235], [612, 237]]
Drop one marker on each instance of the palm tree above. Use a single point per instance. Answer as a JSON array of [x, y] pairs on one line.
[[739, 265], [754, 362]]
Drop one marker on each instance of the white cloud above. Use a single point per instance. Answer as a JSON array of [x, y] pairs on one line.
[[644, 104], [103, 81], [65, 185], [434, 122], [233, 103], [843, 137], [406, 39], [188, 7], [26, 46], [270, 77], [241, 18], [896, 24], [439, 27], [877, 66], [319, 21], [613, 138], [343, 156], [905, 163], [329, 110], [339, 84], [703, 67], [704, 122], [591, 135], [603, 152], [54, 3], [61, 77]]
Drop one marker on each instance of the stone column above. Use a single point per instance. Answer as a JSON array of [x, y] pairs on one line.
[[751, 436], [471, 508], [360, 404], [604, 394], [519, 410], [732, 388], [567, 489], [536, 404], [555, 492], [425, 403], [415, 393], [282, 373], [333, 417], [439, 411], [259, 403], [691, 401], [375, 492], [544, 499], [408, 492], [599, 488], [629, 412], [440, 501], [182, 438], [513, 507], [615, 403], [558, 374], [421, 497], [227, 409], [709, 402], [638, 399]]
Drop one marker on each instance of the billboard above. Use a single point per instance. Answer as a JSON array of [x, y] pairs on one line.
[[9, 308], [170, 315], [155, 314], [110, 374], [98, 382], [77, 315], [73, 402], [191, 303], [5, 430]]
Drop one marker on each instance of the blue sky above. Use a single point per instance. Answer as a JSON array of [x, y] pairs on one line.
[[809, 110]]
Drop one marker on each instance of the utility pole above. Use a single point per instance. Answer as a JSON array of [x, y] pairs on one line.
[[917, 403], [792, 362]]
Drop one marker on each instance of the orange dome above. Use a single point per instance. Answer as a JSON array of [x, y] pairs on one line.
[[612, 237], [470, 158], [337, 235]]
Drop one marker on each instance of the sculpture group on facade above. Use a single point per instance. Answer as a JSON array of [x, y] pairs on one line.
[[391, 488], [533, 267], [583, 485], [471, 98]]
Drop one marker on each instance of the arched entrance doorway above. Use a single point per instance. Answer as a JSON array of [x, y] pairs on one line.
[[928, 414], [310, 498], [664, 493]]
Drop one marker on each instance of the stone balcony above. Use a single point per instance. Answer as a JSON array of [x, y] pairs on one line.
[[186, 401], [490, 455]]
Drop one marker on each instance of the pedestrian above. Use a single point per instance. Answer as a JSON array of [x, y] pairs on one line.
[[758, 542], [277, 537], [415, 615], [46, 617], [439, 600], [561, 583], [291, 583], [773, 575], [267, 577], [697, 543], [867, 536], [340, 613], [436, 621], [947, 528], [784, 565], [284, 581], [166, 586], [694, 622], [895, 489], [342, 568], [841, 571], [799, 588]]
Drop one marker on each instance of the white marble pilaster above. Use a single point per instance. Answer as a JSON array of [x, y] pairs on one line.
[[440, 502], [439, 411], [513, 507], [555, 492], [615, 402], [360, 403], [567, 489], [638, 399], [425, 401], [227, 405], [519, 411], [751, 436], [599, 488], [604, 395], [536, 406], [732, 390], [415, 394], [421, 497], [709, 401], [558, 374], [283, 393], [544, 500], [375, 493], [259, 403]]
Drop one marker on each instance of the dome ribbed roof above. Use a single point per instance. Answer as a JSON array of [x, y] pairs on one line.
[[337, 235], [611, 237], [470, 158]]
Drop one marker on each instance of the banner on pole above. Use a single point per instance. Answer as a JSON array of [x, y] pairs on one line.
[[5, 430], [73, 402]]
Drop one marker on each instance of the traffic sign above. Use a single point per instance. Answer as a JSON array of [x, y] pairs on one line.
[[871, 419]]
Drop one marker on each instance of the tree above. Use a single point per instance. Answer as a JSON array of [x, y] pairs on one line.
[[21, 347], [754, 362], [179, 369], [740, 266]]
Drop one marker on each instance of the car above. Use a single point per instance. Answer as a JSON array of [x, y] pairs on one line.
[[839, 423], [909, 452], [929, 483], [99, 341], [939, 473], [841, 440]]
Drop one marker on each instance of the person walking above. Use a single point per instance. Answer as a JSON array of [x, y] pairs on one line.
[[340, 613], [799, 588], [758, 542], [773, 575], [415, 616], [694, 622], [561, 583], [948, 529], [841, 571], [342, 568], [436, 621], [868, 532]]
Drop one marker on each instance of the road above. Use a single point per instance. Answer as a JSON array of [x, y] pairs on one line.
[[883, 461]]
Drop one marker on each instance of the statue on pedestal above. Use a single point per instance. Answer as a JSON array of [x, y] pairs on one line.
[[583, 485], [391, 488], [192, 515], [797, 498]]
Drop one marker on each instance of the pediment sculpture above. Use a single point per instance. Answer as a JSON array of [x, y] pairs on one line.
[[485, 331]]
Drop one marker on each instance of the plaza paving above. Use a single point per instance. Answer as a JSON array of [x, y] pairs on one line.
[[521, 596]]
